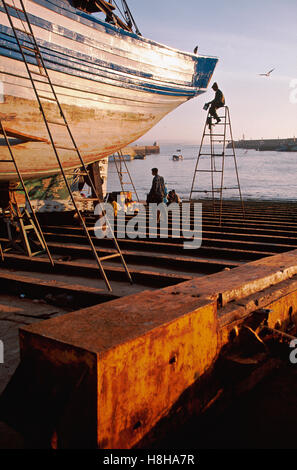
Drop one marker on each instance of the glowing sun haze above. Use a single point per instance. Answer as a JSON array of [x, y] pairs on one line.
[[249, 38]]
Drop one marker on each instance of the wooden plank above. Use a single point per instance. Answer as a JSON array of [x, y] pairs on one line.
[[23, 136]]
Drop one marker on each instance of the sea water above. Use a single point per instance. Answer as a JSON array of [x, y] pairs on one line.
[[262, 175]]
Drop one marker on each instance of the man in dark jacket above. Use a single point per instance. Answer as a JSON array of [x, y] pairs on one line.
[[157, 190], [217, 102]]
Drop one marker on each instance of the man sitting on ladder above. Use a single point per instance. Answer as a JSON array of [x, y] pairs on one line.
[[217, 102]]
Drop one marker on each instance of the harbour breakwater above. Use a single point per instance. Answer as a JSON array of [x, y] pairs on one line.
[[138, 151], [280, 145]]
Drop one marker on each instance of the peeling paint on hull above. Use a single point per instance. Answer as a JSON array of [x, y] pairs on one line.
[[113, 86]]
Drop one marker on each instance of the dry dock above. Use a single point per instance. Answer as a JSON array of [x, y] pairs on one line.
[[164, 338], [140, 150]]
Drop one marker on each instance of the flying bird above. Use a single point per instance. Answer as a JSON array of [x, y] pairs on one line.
[[196, 50], [266, 74]]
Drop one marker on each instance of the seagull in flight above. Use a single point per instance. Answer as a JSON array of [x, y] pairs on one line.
[[266, 74]]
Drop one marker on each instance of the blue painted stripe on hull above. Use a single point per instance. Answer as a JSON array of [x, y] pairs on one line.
[[79, 73], [6, 34], [91, 22], [85, 18], [201, 77], [9, 48], [67, 70], [66, 9]]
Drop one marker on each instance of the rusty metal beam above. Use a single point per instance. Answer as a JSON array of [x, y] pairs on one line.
[[88, 269], [73, 295], [167, 246]]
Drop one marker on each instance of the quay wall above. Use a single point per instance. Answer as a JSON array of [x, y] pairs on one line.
[[141, 150], [264, 144]]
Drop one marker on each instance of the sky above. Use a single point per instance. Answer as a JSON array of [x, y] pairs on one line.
[[248, 37]]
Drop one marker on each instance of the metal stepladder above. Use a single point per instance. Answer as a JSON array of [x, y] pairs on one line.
[[32, 46], [21, 218], [215, 145], [122, 168]]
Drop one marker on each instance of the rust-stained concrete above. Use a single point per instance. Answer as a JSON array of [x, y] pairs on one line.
[[135, 350], [108, 374], [244, 280]]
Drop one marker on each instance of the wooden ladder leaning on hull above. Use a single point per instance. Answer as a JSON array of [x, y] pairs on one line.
[[50, 125]]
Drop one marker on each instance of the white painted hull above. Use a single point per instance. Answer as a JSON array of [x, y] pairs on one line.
[[113, 88]]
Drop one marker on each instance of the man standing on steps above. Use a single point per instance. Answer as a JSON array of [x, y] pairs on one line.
[[157, 190], [217, 102]]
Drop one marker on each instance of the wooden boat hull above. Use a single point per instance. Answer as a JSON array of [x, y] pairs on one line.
[[113, 86]]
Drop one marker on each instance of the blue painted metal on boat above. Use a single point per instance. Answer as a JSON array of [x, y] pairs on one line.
[[204, 69]]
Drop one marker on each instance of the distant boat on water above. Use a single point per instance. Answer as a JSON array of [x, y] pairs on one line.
[[177, 156], [113, 84]]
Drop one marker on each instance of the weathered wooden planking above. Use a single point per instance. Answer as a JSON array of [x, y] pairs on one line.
[[112, 84]]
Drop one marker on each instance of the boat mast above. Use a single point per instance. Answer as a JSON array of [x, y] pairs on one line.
[[108, 7], [129, 17]]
